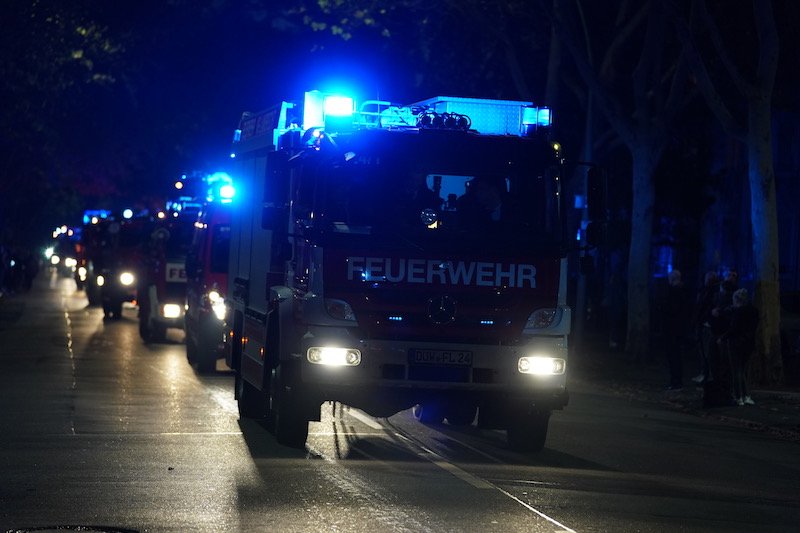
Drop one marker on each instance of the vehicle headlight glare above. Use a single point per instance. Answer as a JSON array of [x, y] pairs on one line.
[[214, 296], [101, 281], [127, 279], [172, 310], [541, 365], [333, 356], [218, 307]]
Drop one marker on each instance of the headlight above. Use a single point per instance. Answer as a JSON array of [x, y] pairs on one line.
[[54, 259], [70, 262], [542, 365], [82, 273], [331, 356], [214, 296], [172, 310], [126, 278], [101, 281]]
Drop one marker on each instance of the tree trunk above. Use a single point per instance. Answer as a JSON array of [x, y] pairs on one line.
[[767, 364], [637, 343]]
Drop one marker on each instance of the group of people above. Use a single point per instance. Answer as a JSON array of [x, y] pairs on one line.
[[724, 323]]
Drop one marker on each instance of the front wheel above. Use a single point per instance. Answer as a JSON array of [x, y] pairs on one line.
[[151, 331], [252, 402], [528, 431], [286, 419]]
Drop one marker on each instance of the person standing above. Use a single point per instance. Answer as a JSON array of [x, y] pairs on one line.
[[739, 341], [676, 320], [717, 390], [701, 322]]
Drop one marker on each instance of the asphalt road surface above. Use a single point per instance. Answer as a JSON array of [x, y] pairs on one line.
[[99, 429]]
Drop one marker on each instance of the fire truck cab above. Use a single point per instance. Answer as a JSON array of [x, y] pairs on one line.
[[391, 257]]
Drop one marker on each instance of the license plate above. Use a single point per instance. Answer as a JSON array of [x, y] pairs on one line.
[[422, 356]]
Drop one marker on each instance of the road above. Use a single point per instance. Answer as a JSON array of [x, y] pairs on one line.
[[99, 429]]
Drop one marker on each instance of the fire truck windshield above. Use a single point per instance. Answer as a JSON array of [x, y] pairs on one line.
[[502, 191]]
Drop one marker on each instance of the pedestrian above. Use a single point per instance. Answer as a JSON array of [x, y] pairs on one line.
[[717, 387], [677, 314], [701, 322], [739, 342]]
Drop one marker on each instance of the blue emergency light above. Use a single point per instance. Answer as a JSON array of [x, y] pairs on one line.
[[220, 188], [333, 113], [537, 116]]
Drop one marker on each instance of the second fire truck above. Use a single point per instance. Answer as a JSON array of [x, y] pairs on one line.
[[391, 257]]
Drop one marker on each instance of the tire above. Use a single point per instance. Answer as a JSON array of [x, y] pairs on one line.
[[528, 431], [206, 350], [429, 413], [191, 349], [286, 421], [151, 331], [116, 310], [206, 359], [251, 401], [93, 293], [461, 414]]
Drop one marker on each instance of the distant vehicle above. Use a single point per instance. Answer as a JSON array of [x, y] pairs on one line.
[[207, 285], [162, 285], [117, 264]]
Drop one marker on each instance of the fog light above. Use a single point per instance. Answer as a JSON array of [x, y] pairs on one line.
[[325, 355], [172, 310], [541, 366]]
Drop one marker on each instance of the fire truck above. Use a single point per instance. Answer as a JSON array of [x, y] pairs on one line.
[[207, 276], [116, 265], [399, 256], [162, 285], [88, 250]]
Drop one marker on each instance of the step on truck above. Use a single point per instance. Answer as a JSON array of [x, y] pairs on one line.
[[399, 256]]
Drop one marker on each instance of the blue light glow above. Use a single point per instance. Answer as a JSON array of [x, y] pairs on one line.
[[338, 106], [487, 322], [227, 192], [396, 318], [537, 116]]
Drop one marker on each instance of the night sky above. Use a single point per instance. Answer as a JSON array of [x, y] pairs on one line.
[[156, 93], [107, 103]]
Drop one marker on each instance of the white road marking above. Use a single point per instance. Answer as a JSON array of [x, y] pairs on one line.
[[365, 418]]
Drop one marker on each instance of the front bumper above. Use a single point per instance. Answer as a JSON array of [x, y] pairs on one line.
[[388, 373]]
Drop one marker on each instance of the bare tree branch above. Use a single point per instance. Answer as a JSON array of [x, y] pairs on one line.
[[738, 81], [768, 36], [704, 83]]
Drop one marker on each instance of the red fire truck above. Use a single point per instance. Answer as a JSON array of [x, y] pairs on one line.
[[207, 276], [390, 257], [162, 285]]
